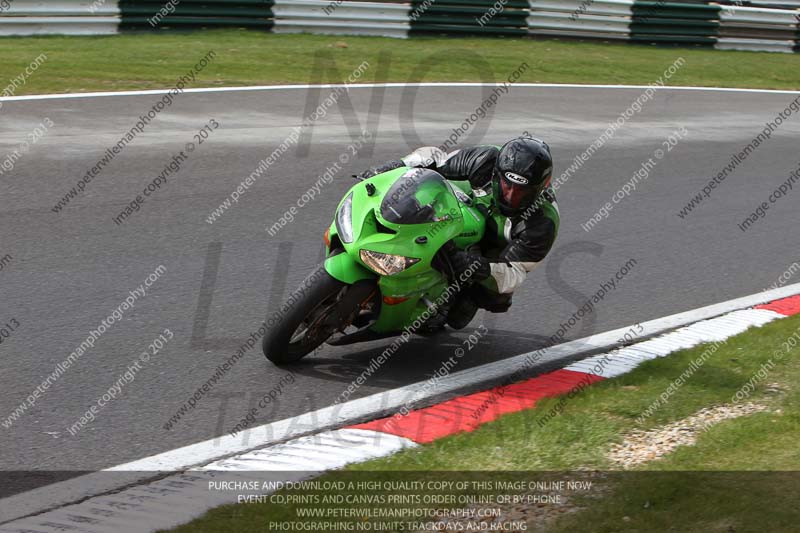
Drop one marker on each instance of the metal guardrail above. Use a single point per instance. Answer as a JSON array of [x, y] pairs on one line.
[[72, 17], [727, 27], [674, 22], [770, 25], [606, 19], [470, 17], [190, 14], [347, 18], [750, 28]]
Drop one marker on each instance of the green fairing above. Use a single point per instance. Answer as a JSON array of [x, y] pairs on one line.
[[343, 268], [392, 220]]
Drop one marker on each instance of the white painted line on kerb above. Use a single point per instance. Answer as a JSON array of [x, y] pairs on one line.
[[387, 85], [179, 498], [354, 411], [712, 330], [391, 400]]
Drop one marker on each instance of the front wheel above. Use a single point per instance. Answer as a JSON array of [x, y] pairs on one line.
[[318, 308]]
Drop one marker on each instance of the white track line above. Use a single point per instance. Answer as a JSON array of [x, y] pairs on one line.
[[368, 408], [720, 328], [179, 498], [387, 85]]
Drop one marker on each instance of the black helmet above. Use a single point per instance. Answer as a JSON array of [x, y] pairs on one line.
[[522, 171]]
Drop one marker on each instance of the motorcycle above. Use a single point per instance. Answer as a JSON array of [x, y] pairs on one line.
[[383, 272]]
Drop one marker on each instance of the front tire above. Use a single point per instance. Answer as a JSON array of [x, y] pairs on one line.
[[318, 308]]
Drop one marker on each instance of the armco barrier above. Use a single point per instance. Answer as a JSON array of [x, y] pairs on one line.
[[768, 27], [187, 14], [65, 17], [672, 22], [606, 19], [749, 28], [346, 18], [728, 24], [469, 17]]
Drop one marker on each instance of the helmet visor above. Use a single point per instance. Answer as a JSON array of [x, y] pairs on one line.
[[516, 192]]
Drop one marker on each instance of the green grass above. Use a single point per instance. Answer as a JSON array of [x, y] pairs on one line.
[[151, 61], [687, 490]]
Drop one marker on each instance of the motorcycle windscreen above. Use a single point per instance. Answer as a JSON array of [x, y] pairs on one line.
[[420, 196]]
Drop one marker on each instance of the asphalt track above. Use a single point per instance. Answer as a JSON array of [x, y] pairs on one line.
[[73, 268]]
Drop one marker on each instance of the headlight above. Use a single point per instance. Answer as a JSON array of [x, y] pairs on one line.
[[387, 264], [344, 220]]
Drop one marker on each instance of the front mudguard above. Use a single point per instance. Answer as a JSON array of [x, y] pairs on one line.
[[342, 267]]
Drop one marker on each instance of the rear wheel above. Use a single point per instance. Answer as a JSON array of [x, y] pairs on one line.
[[321, 306]]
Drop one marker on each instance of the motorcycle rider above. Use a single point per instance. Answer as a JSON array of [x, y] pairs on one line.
[[510, 186]]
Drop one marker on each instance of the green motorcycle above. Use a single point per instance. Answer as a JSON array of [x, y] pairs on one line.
[[382, 275]]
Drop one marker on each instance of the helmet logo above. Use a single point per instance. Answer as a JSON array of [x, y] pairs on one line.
[[516, 178]]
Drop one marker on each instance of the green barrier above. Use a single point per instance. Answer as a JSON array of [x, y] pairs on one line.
[[673, 10], [190, 14], [674, 39], [675, 27], [466, 19], [469, 17], [464, 30], [797, 39], [674, 23]]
